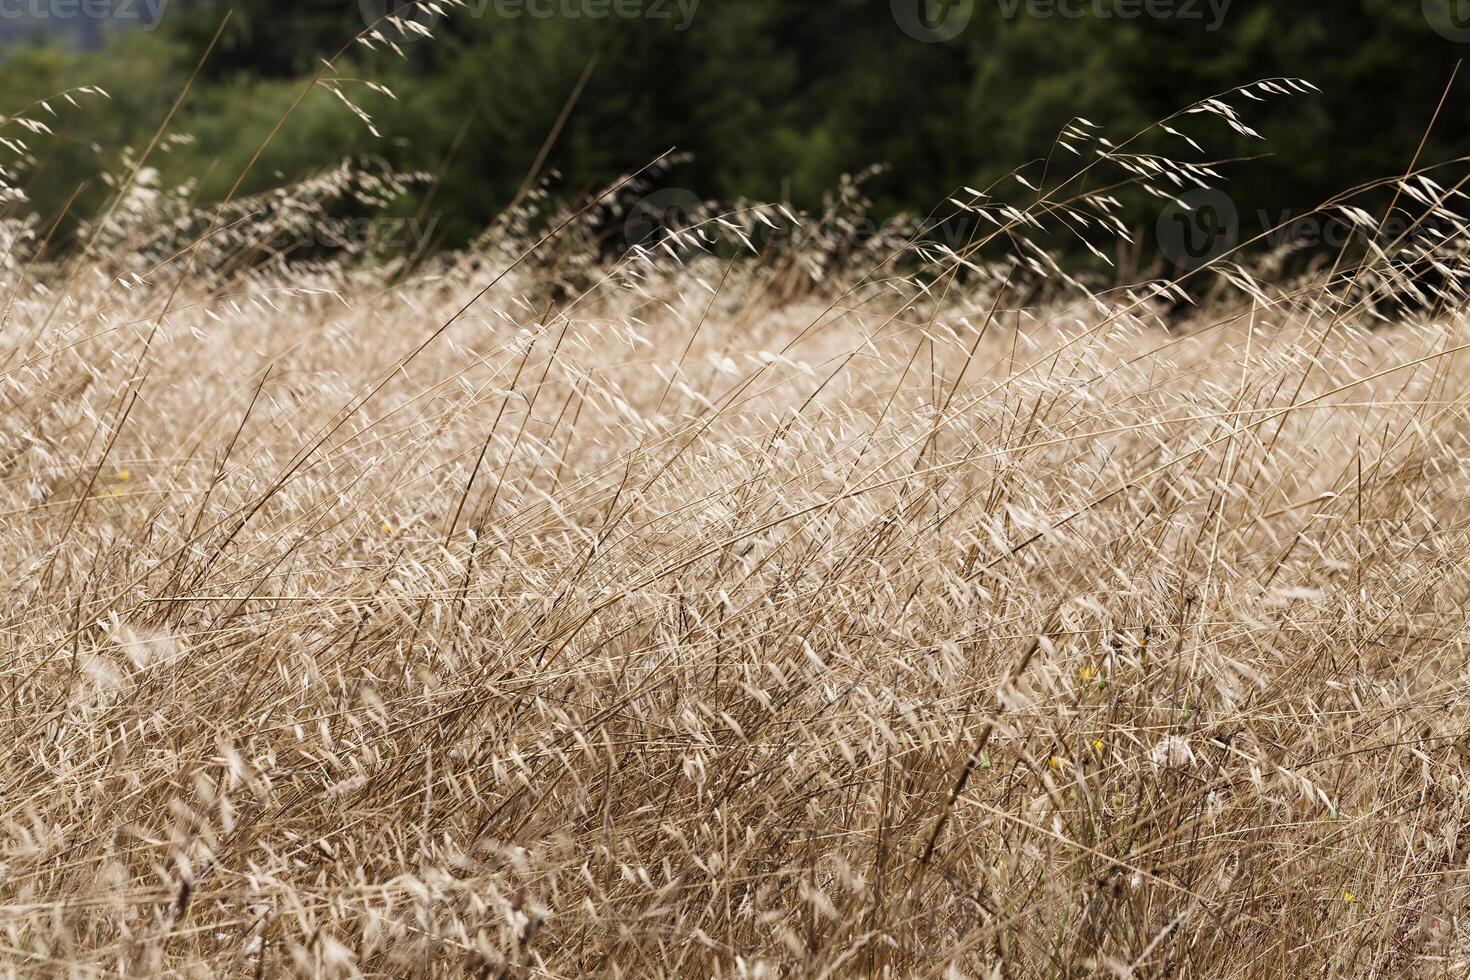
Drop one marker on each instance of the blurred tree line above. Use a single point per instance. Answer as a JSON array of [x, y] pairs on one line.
[[774, 99]]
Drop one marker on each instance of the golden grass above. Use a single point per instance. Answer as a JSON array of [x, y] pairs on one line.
[[635, 635], [516, 615]]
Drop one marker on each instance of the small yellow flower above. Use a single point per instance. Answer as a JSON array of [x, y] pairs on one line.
[[123, 476], [1058, 763], [1088, 674], [387, 528], [1349, 897], [1097, 744]]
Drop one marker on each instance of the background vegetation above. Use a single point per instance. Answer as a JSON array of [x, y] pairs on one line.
[[773, 99]]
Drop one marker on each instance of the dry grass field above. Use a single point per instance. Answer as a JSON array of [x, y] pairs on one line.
[[816, 611]]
